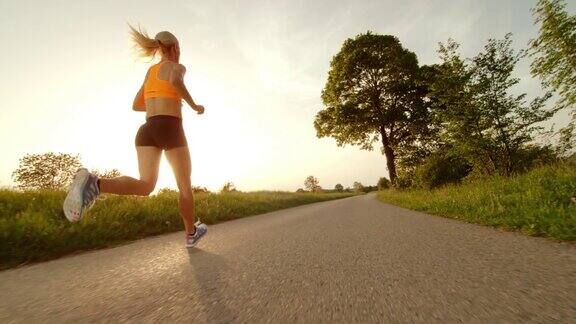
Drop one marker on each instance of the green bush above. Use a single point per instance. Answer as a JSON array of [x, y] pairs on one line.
[[537, 202], [532, 156], [383, 183], [441, 168], [406, 179]]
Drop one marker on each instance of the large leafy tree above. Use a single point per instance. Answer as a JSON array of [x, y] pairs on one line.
[[481, 119], [372, 94], [358, 187], [554, 51], [46, 171], [312, 184], [425, 135]]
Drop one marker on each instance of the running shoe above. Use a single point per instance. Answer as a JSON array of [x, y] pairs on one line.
[[192, 239], [81, 195]]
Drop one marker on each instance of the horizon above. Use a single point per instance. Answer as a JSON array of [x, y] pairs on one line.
[[260, 80]]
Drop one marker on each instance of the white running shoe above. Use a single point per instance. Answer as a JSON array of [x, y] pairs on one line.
[[201, 230], [81, 195]]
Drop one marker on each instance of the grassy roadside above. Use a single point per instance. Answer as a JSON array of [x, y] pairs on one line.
[[33, 227], [536, 203]]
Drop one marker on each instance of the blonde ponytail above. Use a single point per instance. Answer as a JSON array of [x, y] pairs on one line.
[[146, 46]]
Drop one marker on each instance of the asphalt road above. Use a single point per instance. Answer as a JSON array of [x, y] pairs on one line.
[[354, 259]]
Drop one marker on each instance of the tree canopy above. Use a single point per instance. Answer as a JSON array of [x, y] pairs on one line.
[[46, 171], [372, 93], [480, 117], [554, 50], [312, 184]]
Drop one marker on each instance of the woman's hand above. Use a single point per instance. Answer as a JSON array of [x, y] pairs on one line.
[[199, 109]]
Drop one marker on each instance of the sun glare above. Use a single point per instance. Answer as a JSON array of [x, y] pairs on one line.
[[218, 154]]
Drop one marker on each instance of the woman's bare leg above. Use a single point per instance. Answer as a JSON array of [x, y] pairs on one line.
[[179, 159], [148, 164]]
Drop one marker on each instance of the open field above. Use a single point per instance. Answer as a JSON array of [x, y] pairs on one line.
[[33, 227]]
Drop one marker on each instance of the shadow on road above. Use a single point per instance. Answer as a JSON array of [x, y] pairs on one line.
[[211, 271]]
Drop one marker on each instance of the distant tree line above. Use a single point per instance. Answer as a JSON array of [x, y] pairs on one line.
[[195, 189], [312, 184], [457, 119], [55, 171], [51, 171]]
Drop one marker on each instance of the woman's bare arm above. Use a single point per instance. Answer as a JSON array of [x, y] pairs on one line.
[[177, 80], [139, 104]]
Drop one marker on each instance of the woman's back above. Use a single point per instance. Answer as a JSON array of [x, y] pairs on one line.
[[160, 95], [163, 89]]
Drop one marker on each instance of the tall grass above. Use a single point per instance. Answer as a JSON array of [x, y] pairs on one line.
[[536, 203], [33, 226]]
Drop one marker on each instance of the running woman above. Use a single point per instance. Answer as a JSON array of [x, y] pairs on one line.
[[160, 97]]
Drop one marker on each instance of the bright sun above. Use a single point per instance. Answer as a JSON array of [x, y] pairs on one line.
[[217, 155]]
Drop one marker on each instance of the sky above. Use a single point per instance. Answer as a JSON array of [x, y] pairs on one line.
[[69, 75]]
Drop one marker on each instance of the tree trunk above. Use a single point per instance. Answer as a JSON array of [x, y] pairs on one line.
[[390, 157], [390, 162]]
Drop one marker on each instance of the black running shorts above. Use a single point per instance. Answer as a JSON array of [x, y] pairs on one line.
[[162, 131]]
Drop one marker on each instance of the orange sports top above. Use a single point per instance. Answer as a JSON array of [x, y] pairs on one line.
[[155, 87]]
